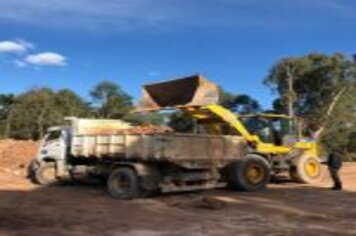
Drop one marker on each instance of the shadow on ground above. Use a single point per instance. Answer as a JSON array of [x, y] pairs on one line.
[[283, 209]]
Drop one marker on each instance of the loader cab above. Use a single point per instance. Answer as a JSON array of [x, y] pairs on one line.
[[270, 128]]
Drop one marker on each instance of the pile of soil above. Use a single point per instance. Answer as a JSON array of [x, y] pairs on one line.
[[148, 129], [15, 155]]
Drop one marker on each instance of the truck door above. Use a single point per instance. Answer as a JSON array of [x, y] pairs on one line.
[[53, 145]]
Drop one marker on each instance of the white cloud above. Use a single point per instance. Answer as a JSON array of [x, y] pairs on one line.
[[17, 46], [20, 47], [46, 59]]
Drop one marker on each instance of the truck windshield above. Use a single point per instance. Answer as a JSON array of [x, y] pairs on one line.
[[54, 135]]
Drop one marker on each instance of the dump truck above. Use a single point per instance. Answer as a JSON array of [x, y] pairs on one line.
[[223, 153]]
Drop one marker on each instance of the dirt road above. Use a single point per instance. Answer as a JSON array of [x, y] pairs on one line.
[[283, 209]]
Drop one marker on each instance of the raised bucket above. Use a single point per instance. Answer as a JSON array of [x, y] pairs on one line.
[[184, 92]]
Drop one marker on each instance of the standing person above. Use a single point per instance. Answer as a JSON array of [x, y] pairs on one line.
[[334, 163]]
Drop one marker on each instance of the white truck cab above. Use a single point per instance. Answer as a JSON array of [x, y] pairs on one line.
[[54, 144], [50, 160]]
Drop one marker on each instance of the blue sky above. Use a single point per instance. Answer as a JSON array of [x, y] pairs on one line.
[[75, 44]]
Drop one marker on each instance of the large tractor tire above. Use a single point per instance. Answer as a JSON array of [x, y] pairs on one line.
[[251, 173], [44, 173], [123, 183], [306, 169]]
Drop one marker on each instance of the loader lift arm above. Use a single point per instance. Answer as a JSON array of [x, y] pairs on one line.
[[215, 111], [210, 111], [199, 98]]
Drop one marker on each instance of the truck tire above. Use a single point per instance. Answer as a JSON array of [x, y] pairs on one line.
[[251, 173], [123, 183], [306, 169], [44, 174]]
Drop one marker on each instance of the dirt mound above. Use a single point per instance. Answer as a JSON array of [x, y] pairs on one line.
[[15, 155], [148, 129]]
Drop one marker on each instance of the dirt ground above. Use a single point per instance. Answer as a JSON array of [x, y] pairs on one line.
[[16, 155], [284, 209]]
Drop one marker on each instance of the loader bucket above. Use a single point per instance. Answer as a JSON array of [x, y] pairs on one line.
[[185, 92]]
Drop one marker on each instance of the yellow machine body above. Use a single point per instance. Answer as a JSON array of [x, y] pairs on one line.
[[216, 112], [199, 97]]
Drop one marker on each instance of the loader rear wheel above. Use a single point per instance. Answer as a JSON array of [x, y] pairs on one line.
[[307, 169], [45, 174], [123, 183], [251, 173]]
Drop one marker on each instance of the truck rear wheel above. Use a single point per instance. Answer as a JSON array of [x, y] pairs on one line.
[[251, 173], [123, 183], [307, 169], [44, 174]]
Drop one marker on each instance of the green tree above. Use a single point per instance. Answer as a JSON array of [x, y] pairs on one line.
[[69, 103], [181, 122], [278, 106], [36, 110], [316, 80], [6, 102], [32, 113], [320, 89], [341, 125], [110, 101], [240, 103]]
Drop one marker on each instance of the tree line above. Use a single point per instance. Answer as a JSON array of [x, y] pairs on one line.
[[316, 88], [30, 114]]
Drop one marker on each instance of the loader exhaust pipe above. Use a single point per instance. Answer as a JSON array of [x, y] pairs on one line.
[[179, 93]]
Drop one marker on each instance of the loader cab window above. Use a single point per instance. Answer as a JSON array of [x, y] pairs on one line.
[[259, 127], [277, 131], [268, 130], [284, 126]]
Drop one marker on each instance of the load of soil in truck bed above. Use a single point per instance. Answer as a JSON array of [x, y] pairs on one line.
[[84, 209]]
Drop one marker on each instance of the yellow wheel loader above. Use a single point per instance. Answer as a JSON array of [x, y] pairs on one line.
[[271, 136]]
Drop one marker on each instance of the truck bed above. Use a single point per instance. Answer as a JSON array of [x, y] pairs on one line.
[[184, 149]]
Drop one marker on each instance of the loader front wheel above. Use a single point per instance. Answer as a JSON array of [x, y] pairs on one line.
[[251, 173], [307, 169], [123, 183]]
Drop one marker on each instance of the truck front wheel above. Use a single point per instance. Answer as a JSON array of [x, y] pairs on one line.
[[123, 183], [251, 173], [44, 174]]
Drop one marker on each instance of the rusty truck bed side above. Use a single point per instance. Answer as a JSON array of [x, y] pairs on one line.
[[183, 149]]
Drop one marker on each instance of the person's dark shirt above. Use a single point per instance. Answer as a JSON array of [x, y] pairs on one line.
[[334, 161]]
